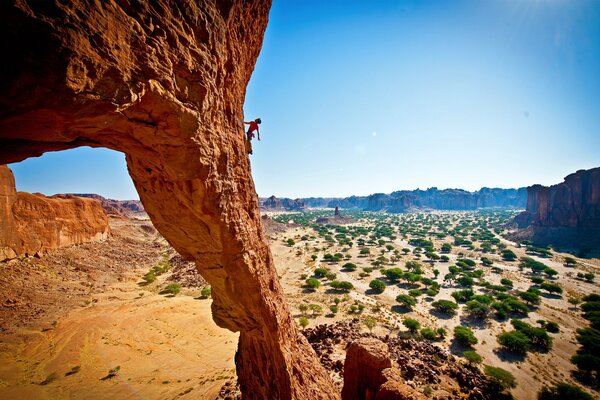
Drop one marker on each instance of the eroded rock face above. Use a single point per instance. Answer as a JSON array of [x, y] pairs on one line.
[[370, 374], [33, 223], [164, 82], [574, 203], [566, 215]]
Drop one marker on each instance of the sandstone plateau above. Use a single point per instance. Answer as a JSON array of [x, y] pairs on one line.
[[124, 208], [566, 214], [31, 224], [164, 82]]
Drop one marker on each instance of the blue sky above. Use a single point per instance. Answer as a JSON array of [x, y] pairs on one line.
[[375, 96]]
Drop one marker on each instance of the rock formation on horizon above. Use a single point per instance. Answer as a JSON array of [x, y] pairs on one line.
[[31, 224], [408, 200], [124, 208], [274, 203], [164, 82]]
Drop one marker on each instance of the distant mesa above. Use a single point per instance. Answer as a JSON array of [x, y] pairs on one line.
[[410, 200], [337, 219], [124, 208], [566, 215], [274, 203], [31, 224]]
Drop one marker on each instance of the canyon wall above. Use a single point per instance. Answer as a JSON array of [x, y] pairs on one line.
[[407, 200], [32, 224], [164, 82], [566, 214]]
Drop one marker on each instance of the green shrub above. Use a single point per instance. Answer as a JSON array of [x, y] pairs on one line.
[[205, 292], [303, 321], [464, 335], [515, 341], [472, 357], [563, 391], [411, 324], [500, 377], [342, 285], [445, 306], [551, 287], [406, 300], [377, 286], [313, 283], [349, 266], [321, 272], [172, 288], [428, 334]]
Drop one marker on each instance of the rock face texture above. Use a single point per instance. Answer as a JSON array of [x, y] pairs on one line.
[[566, 214], [406, 200], [125, 208], [33, 223], [164, 82], [369, 373]]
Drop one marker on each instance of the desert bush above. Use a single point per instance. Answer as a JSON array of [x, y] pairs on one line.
[[342, 285], [172, 288], [303, 321], [205, 292], [515, 341], [551, 287], [411, 324], [313, 283], [445, 306], [321, 272], [377, 286], [429, 334], [563, 391], [500, 377], [370, 323], [349, 266], [472, 357], [464, 335], [406, 300]]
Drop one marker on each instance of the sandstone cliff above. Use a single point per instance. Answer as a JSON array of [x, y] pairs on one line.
[[565, 215], [164, 82], [125, 208], [31, 224]]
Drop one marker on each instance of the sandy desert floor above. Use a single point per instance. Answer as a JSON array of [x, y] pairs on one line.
[[95, 317], [159, 347]]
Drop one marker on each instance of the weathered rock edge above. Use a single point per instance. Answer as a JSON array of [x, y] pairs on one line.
[[32, 224], [164, 82]]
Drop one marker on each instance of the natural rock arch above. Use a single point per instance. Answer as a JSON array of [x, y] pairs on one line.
[[164, 82]]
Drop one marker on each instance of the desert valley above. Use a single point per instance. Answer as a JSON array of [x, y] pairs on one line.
[[110, 317], [138, 261]]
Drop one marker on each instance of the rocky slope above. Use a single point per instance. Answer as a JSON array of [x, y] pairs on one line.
[[566, 214], [406, 200], [164, 82], [421, 364], [33, 223], [124, 208]]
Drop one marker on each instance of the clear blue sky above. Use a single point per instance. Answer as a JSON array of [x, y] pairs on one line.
[[358, 97]]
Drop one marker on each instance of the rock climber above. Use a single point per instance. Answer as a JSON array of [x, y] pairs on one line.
[[250, 133]]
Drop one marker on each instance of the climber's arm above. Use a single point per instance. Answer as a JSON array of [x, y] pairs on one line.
[[258, 133]]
